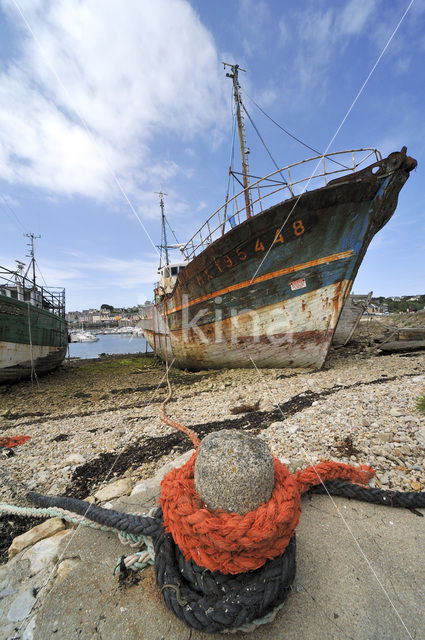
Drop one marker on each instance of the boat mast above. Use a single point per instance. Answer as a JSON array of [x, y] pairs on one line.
[[32, 237], [164, 243], [234, 75]]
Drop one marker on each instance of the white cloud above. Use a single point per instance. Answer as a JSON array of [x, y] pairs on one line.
[[129, 73], [322, 33], [254, 19], [283, 31], [96, 278], [201, 205], [355, 16], [126, 273], [13, 202]]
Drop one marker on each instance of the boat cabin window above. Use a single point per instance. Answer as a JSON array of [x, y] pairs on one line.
[[173, 270]]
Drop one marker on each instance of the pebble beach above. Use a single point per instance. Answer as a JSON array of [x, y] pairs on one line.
[[94, 422]]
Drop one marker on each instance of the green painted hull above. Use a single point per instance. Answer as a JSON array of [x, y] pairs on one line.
[[31, 340]]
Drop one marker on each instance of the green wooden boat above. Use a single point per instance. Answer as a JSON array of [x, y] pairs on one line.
[[33, 329]]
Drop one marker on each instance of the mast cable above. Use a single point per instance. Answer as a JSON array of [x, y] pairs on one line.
[[41, 274], [175, 237], [232, 155], [291, 135], [265, 146], [12, 211]]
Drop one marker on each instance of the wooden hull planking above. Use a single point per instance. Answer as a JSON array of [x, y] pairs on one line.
[[31, 339], [239, 302]]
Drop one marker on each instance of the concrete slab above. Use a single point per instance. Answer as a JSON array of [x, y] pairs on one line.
[[361, 577]]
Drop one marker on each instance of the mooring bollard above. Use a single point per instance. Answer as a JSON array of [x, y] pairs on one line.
[[234, 471]]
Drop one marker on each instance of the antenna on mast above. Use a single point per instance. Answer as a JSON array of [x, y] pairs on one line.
[[31, 255], [234, 75], [164, 244]]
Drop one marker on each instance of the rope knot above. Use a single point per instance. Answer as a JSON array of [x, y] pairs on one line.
[[231, 543]]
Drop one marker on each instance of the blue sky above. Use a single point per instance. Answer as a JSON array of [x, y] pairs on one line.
[[104, 103]]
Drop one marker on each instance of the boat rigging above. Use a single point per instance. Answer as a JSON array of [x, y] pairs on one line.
[[212, 312], [234, 75]]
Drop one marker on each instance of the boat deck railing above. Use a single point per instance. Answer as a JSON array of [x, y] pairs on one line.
[[262, 193], [15, 285]]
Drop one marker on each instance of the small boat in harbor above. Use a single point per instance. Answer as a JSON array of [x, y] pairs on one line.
[[33, 329], [82, 336], [265, 278]]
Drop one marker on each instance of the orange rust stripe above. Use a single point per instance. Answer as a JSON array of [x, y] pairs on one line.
[[266, 276]]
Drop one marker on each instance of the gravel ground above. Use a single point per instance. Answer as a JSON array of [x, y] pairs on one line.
[[92, 422]]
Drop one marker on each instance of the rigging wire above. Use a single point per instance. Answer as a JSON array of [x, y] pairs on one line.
[[39, 271], [232, 155], [175, 237], [12, 211], [290, 134], [264, 144]]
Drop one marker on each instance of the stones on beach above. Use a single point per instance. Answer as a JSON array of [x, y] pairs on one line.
[[420, 436], [45, 552], [121, 487], [65, 568], [355, 398], [385, 436], [75, 459], [21, 607], [40, 532], [234, 471]]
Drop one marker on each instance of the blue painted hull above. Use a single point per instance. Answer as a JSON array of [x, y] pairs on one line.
[[272, 295]]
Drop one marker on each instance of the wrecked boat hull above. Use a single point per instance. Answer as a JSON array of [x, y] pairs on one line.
[[238, 303], [31, 340], [350, 317]]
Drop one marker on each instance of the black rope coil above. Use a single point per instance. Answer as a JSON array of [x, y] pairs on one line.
[[212, 601]]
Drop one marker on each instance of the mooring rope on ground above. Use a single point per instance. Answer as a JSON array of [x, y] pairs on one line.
[[220, 571]]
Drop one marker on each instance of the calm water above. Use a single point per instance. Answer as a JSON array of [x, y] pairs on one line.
[[113, 343]]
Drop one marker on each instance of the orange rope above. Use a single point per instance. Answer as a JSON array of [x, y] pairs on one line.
[[172, 423], [190, 434], [233, 543]]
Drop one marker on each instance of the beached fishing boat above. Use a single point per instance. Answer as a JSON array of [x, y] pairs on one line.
[[33, 329], [265, 278]]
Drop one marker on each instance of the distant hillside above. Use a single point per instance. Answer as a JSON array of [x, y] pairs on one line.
[[401, 303]]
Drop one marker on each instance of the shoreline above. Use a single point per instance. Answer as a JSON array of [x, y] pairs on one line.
[[95, 421]]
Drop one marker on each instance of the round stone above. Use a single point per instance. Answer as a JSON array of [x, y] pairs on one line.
[[234, 471]]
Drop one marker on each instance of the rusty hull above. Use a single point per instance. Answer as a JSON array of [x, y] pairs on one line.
[[237, 302]]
